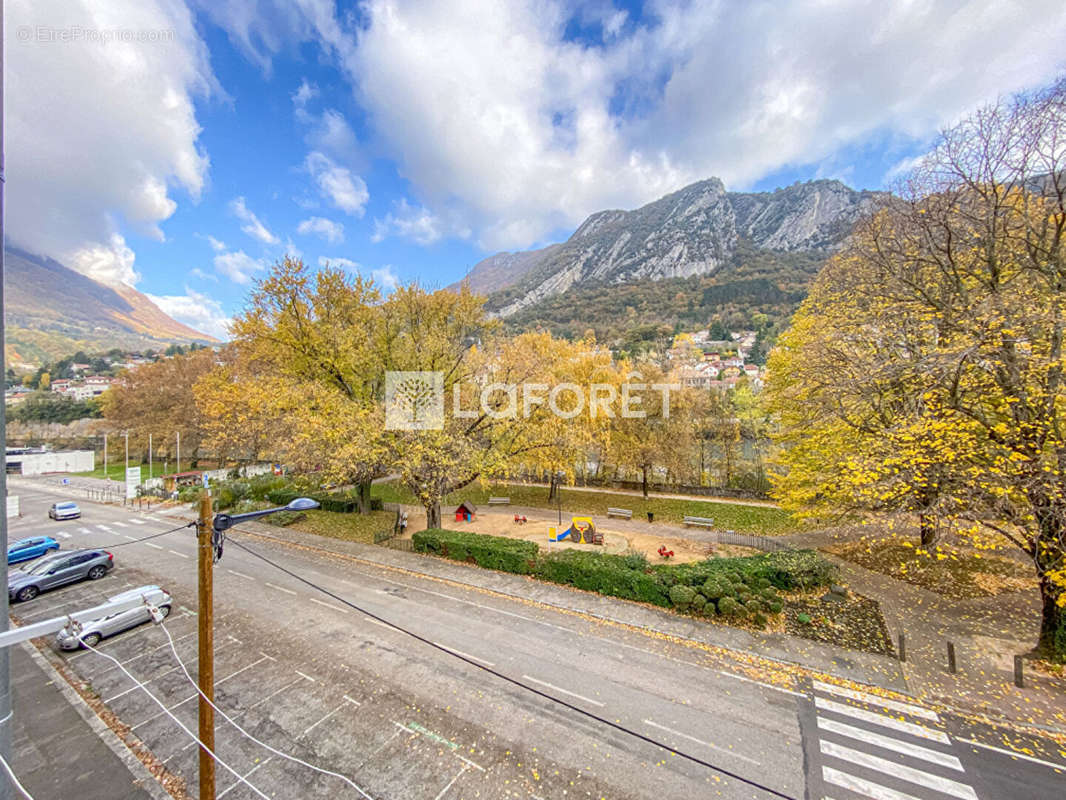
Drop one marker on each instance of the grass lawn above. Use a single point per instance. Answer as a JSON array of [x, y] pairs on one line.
[[953, 572], [763, 520], [351, 527], [117, 471]]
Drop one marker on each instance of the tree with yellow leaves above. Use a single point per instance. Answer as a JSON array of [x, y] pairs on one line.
[[925, 371]]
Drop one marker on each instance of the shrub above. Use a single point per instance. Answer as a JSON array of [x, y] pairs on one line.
[[754, 605], [698, 603], [681, 596], [714, 589], [603, 573], [189, 494], [284, 518], [803, 619], [377, 504], [282, 496], [635, 559], [760, 620], [775, 606], [491, 552], [728, 607]]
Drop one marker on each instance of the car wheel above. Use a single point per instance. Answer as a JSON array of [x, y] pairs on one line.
[[165, 611], [91, 639], [28, 593], [97, 572]]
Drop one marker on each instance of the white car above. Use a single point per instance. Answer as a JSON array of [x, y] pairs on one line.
[[93, 632], [65, 510]]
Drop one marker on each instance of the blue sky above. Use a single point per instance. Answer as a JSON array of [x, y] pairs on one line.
[[183, 147]]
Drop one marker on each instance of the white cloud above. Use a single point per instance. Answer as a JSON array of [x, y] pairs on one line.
[[416, 223], [199, 311], [338, 184], [303, 95], [216, 244], [99, 136], [524, 132], [329, 230], [196, 272], [343, 263], [386, 278], [239, 267], [253, 226]]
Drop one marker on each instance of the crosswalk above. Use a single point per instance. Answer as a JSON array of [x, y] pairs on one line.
[[884, 749]]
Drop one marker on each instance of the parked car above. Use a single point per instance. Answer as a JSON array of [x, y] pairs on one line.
[[57, 569], [68, 509], [93, 632], [33, 547]]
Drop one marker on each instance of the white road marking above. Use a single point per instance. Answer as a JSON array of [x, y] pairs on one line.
[[887, 742], [119, 524], [901, 771], [156, 546], [136, 521], [861, 785], [235, 784], [881, 719], [379, 623], [743, 678], [175, 552], [306, 677], [564, 691], [1012, 754], [84, 530], [105, 528], [63, 534], [280, 589], [465, 655], [328, 605], [131, 538], [194, 696], [240, 574], [700, 741], [863, 697], [316, 724], [448, 786]]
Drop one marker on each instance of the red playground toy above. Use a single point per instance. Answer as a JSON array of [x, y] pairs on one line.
[[664, 553], [520, 520]]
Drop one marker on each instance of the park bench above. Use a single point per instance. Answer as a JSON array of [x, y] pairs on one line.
[[705, 522], [624, 513], [499, 501]]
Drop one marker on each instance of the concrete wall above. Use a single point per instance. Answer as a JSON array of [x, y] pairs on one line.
[[62, 461]]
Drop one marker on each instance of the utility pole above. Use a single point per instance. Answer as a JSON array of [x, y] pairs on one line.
[[6, 790], [205, 560], [105, 457], [151, 473], [177, 467], [127, 435]]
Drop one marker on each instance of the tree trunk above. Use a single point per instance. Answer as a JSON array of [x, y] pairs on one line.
[[433, 515], [362, 497], [644, 480], [929, 532], [553, 487], [1053, 621]]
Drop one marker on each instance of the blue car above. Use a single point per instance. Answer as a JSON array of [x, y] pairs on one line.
[[34, 547]]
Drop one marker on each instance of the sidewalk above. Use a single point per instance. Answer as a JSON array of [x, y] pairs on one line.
[[61, 749]]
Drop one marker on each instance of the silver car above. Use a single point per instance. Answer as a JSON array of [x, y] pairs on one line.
[[65, 510], [59, 569], [93, 632]]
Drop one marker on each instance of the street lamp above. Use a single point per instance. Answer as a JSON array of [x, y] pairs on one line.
[[209, 532], [559, 494]]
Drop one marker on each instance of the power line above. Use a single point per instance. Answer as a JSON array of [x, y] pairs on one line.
[[153, 536], [11, 774], [259, 742], [616, 725], [166, 711]]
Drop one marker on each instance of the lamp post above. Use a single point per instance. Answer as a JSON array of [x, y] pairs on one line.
[[558, 495], [209, 549]]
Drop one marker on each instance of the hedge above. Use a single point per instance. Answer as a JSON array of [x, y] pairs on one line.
[[732, 587], [491, 552]]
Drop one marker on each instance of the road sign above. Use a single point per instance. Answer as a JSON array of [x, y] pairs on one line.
[[133, 480]]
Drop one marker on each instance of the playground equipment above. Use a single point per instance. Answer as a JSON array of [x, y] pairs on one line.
[[664, 553], [465, 512], [582, 530], [520, 519]]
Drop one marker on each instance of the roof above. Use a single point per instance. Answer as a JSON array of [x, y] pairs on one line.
[[184, 474], [468, 506]]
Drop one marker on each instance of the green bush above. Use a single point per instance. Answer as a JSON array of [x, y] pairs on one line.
[[803, 619], [284, 518], [281, 496], [699, 602], [728, 607], [760, 620], [754, 605], [189, 494], [491, 552], [377, 504], [775, 606], [603, 573], [681, 596], [714, 589]]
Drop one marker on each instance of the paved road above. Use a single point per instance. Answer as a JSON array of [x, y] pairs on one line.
[[322, 681]]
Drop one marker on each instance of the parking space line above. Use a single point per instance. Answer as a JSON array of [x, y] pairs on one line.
[[725, 750], [63, 534], [154, 545], [379, 623], [175, 552], [136, 521], [466, 760], [328, 605], [279, 588], [465, 655], [240, 574], [119, 524], [235, 784], [564, 691], [275, 692], [449, 784], [307, 677], [316, 724], [131, 538]]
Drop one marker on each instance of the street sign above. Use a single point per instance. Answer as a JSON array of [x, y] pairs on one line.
[[133, 480], [204, 476]]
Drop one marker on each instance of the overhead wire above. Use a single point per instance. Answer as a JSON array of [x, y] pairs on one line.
[[515, 682]]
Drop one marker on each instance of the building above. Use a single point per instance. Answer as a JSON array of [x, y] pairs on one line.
[[23, 461]]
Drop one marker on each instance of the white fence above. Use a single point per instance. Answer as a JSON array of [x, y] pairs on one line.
[[219, 474], [58, 461], [14, 508]]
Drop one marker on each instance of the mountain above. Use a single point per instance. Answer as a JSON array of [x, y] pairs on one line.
[[692, 232], [53, 311]]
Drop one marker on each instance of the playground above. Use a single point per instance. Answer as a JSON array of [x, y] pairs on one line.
[[501, 521]]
